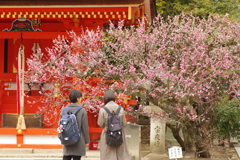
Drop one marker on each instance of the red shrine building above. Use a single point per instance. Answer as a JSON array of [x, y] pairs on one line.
[[38, 22]]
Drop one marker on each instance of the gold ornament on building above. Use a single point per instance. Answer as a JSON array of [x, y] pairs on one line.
[[36, 22], [14, 69], [56, 91], [19, 131]]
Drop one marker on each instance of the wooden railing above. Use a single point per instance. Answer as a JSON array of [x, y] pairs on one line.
[[45, 134]]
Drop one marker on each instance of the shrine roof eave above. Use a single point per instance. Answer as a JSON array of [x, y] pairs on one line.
[[63, 8], [68, 2], [103, 12], [70, 6]]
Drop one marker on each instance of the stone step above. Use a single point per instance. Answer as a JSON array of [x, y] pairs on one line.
[[15, 151], [2, 158], [234, 141], [41, 154], [40, 157]]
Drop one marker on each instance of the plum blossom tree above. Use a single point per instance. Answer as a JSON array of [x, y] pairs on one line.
[[184, 65], [72, 62], [68, 64]]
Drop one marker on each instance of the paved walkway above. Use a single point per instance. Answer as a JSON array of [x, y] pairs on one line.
[[56, 154], [45, 154]]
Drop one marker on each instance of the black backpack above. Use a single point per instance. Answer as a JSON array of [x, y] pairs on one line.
[[114, 135], [69, 134]]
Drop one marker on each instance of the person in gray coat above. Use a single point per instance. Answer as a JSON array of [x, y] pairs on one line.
[[111, 152], [77, 150]]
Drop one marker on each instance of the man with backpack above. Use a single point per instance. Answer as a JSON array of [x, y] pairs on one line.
[[112, 119], [75, 139]]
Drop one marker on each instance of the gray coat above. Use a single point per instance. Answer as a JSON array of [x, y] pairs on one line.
[[109, 152], [79, 148]]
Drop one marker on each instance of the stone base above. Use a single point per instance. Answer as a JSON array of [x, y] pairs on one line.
[[143, 120], [145, 133]]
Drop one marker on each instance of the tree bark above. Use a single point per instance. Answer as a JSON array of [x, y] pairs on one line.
[[200, 141], [175, 131], [189, 147], [201, 149]]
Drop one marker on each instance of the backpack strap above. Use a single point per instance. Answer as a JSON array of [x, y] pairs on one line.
[[109, 113], [76, 110], [107, 110], [66, 111], [118, 110]]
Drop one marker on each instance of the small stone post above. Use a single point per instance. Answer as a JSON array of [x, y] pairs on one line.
[[157, 133]]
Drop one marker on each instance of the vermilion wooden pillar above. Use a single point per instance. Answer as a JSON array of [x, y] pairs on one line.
[[1, 56]]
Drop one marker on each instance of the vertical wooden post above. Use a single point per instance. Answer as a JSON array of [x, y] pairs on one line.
[[5, 56], [19, 137]]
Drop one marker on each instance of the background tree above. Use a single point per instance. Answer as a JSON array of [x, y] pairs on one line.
[[227, 118], [201, 8]]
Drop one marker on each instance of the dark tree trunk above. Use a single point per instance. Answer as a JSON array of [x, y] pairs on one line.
[[200, 141], [201, 150], [176, 135], [189, 147]]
